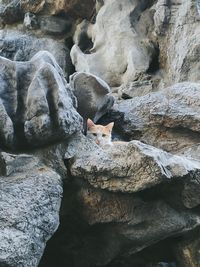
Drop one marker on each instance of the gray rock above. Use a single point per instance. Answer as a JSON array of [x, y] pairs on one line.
[[119, 53], [133, 89], [55, 25], [10, 11], [36, 102], [168, 119], [30, 198], [20, 46], [93, 95], [31, 21], [126, 166], [162, 16]]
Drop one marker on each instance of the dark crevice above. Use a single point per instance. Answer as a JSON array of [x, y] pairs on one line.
[[154, 65]]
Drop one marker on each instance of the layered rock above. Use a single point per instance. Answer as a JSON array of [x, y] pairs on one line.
[[123, 219], [30, 201], [37, 105]]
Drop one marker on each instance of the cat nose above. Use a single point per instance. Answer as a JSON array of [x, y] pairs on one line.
[[97, 141]]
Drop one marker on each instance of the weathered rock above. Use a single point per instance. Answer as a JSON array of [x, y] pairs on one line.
[[187, 252], [119, 53], [133, 89], [29, 212], [31, 21], [179, 49], [169, 119], [76, 8], [16, 45], [37, 105], [10, 11], [55, 25], [126, 167], [162, 16], [93, 95]]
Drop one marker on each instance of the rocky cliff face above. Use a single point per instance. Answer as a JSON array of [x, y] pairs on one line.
[[64, 200]]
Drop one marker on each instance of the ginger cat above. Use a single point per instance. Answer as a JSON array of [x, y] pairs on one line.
[[102, 135]]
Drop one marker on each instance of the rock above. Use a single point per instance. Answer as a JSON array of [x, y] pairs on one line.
[[29, 211], [128, 166], [179, 62], [10, 11], [187, 252], [133, 89], [119, 53], [16, 45], [76, 8], [38, 107], [130, 222], [31, 21], [168, 119], [89, 87], [162, 16], [55, 25]]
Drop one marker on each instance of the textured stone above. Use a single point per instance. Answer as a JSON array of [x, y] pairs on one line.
[[93, 95], [10, 11], [16, 45], [76, 8], [37, 106], [169, 119], [187, 252], [55, 25], [119, 54], [30, 197], [127, 166], [180, 47]]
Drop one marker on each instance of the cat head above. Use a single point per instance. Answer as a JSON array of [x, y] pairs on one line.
[[99, 133]]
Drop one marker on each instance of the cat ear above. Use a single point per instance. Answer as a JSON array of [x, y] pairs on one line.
[[110, 126], [90, 123]]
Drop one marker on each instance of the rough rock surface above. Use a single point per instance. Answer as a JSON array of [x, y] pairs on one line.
[[168, 119], [128, 166], [118, 54], [95, 90], [37, 106], [76, 8], [30, 200], [19, 46], [125, 202]]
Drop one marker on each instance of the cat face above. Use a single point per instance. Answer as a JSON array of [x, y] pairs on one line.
[[99, 133]]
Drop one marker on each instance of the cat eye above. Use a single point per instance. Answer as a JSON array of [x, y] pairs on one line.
[[104, 135], [94, 134]]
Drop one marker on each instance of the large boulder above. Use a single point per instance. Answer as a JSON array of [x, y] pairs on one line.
[[127, 166], [37, 105], [29, 208], [118, 53]]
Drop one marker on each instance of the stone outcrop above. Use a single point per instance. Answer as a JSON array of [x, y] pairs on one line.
[[135, 203], [118, 53], [30, 199], [37, 105]]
